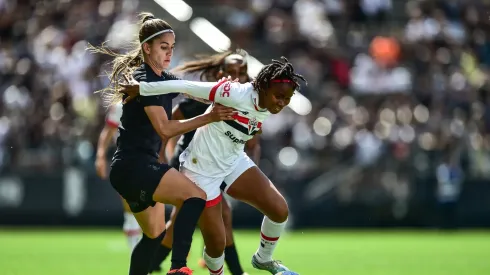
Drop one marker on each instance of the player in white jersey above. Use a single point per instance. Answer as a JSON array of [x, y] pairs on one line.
[[206, 68], [216, 155], [131, 227]]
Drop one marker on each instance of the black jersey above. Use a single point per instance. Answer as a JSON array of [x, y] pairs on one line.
[[137, 136]]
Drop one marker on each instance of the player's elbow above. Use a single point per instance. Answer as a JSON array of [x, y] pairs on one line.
[[166, 131]]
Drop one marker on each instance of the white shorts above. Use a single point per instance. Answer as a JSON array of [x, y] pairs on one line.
[[214, 185]]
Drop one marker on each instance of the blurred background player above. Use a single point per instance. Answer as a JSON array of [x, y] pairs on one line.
[[131, 227], [208, 68]]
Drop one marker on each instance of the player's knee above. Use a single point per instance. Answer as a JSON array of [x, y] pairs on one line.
[[194, 192], [155, 231], [281, 211]]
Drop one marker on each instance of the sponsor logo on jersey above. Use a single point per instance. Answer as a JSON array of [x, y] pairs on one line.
[[226, 90], [234, 139]]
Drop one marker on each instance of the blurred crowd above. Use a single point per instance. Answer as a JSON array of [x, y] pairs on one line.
[[399, 89], [49, 116]]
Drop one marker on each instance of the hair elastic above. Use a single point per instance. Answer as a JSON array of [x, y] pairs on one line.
[[155, 34]]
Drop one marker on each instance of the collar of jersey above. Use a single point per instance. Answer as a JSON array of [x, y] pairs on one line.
[[255, 99]]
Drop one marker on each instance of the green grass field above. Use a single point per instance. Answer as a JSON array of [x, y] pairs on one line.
[[94, 252]]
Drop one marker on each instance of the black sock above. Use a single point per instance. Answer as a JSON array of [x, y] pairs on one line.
[[160, 256], [143, 254], [232, 261], [185, 224]]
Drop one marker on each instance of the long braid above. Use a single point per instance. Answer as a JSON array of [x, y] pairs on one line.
[[277, 70]]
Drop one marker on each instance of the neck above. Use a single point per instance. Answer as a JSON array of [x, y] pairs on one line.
[[154, 68]]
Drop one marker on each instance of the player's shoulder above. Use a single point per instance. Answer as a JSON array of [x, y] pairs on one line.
[[236, 89], [170, 76], [140, 74]]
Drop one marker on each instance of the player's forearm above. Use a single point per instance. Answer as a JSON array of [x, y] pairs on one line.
[[173, 128], [105, 138], [170, 150], [192, 88]]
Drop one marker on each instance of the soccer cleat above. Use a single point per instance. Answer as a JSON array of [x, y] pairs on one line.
[[202, 263], [273, 266], [183, 271]]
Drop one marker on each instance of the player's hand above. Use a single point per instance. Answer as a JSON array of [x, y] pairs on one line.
[[229, 79], [130, 88], [220, 112], [101, 167]]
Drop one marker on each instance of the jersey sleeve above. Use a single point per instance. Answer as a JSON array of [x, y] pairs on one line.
[[224, 92], [113, 117]]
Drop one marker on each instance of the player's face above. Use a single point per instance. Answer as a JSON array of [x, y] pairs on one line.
[[161, 50], [278, 96], [235, 71]]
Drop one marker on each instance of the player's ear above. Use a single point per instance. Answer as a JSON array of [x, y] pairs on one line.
[[146, 48]]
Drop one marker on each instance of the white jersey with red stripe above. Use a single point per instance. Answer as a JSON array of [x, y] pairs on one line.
[[216, 147], [113, 117]]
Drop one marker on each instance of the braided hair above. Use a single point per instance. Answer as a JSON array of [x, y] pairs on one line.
[[277, 70]]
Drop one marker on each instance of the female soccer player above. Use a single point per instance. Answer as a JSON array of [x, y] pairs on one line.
[[211, 68], [135, 172], [131, 227], [215, 155]]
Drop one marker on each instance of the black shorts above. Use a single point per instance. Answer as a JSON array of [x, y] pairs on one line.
[[136, 179], [174, 161]]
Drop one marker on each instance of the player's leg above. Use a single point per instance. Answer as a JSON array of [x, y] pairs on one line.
[[142, 184], [131, 227], [248, 184], [231, 254], [152, 221], [213, 233], [211, 221], [178, 190], [166, 245]]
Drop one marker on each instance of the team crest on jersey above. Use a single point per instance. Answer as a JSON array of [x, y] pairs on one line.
[[253, 126]]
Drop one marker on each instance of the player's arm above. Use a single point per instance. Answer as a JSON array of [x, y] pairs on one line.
[[105, 139], [167, 129], [220, 92], [253, 150]]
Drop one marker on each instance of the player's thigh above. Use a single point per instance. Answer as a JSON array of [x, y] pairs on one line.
[[210, 185], [213, 230], [136, 180], [125, 205], [174, 188], [152, 220], [253, 187]]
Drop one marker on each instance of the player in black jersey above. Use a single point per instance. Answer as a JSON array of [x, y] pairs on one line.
[[136, 173], [210, 68]]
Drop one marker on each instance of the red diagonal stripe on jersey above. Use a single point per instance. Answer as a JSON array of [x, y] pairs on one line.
[[245, 120], [212, 93]]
